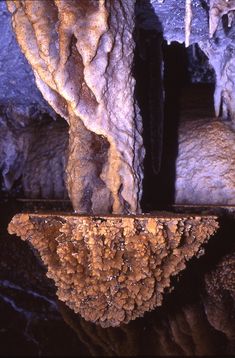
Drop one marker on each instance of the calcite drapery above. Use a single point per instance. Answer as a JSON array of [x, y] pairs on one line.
[[81, 53], [112, 269]]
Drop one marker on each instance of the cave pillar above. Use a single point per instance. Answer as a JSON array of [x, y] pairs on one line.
[[81, 54]]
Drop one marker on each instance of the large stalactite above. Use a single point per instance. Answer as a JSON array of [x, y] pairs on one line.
[[81, 54]]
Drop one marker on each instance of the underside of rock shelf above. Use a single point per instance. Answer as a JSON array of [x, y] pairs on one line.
[[112, 269]]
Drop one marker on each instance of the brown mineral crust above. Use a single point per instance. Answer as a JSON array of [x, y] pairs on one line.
[[220, 297], [81, 53], [112, 269]]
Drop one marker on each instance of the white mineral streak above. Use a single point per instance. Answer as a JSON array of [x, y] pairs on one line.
[[188, 21], [205, 166], [81, 54], [218, 8]]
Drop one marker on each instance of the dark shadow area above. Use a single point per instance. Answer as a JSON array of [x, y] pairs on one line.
[[189, 284], [158, 95], [175, 79], [30, 321], [149, 93]]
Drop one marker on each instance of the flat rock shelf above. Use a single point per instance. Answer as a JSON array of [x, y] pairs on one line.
[[112, 269]]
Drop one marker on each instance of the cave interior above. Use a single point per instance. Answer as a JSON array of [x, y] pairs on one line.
[[175, 85]]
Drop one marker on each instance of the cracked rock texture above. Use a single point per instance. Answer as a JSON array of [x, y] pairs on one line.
[[113, 269], [81, 54], [205, 165], [33, 155]]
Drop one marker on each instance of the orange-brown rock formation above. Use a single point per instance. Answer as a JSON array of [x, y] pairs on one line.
[[81, 53], [113, 269], [220, 298]]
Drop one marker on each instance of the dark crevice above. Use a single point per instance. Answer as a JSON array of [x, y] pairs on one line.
[[160, 115]]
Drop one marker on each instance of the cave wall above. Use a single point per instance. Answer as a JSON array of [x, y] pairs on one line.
[[25, 118], [211, 25], [17, 84]]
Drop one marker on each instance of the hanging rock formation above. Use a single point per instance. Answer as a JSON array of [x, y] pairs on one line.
[[187, 22], [113, 269], [81, 54]]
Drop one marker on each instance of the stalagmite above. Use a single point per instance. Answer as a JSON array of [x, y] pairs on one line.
[[81, 54]]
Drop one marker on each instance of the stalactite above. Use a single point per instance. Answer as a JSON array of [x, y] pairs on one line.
[[218, 8], [188, 21], [81, 54]]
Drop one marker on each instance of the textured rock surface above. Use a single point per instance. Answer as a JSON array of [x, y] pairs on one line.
[[205, 164], [81, 54], [33, 155], [179, 327], [220, 298], [220, 51], [196, 319], [113, 269], [215, 37], [169, 16], [17, 85]]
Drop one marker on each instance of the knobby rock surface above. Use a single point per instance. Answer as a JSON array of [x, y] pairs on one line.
[[81, 54], [205, 165], [113, 269]]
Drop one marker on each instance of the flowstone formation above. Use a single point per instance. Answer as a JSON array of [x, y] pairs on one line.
[[81, 53], [112, 269], [205, 165]]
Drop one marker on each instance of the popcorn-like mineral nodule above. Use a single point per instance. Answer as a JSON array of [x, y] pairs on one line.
[[112, 269]]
